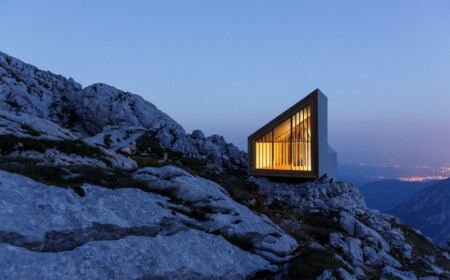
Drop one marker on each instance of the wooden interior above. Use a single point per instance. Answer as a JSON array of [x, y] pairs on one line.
[[286, 146]]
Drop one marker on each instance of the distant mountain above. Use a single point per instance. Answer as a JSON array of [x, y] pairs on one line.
[[429, 211], [386, 194]]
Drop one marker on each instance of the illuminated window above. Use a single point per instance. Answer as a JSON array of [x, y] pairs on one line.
[[287, 146], [295, 143], [264, 152]]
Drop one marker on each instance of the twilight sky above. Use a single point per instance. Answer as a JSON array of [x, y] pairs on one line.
[[228, 67]]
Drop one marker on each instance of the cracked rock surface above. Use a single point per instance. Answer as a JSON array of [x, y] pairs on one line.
[[364, 240], [41, 223], [198, 256]]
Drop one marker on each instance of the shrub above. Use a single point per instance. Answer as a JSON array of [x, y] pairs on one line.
[[311, 263], [240, 241], [55, 175], [9, 143], [147, 143], [30, 130], [107, 140]]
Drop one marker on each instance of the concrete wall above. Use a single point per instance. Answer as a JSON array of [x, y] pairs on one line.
[[327, 156]]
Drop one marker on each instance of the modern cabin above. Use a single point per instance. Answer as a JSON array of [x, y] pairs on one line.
[[294, 144]]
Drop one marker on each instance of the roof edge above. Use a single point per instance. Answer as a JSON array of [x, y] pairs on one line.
[[311, 95]]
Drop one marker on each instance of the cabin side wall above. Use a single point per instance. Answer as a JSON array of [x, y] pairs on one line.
[[322, 134], [331, 163], [327, 157]]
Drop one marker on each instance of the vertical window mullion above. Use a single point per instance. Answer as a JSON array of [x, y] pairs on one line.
[[308, 138]]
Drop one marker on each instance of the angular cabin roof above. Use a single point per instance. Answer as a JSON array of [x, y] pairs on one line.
[[281, 154], [282, 117]]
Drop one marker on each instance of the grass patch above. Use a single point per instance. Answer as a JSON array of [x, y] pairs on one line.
[[422, 247], [306, 226], [198, 214], [264, 275], [170, 193], [30, 168], [318, 227], [146, 161], [72, 118], [311, 263], [192, 165], [152, 154], [30, 130], [55, 175], [107, 140], [239, 241], [10, 143], [240, 189], [150, 150], [148, 144]]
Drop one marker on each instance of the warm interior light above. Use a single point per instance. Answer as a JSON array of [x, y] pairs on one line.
[[264, 151], [287, 146]]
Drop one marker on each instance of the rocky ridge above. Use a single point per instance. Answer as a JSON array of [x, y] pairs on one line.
[[88, 111], [98, 183]]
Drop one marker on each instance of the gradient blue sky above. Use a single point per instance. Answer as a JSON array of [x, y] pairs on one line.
[[228, 67]]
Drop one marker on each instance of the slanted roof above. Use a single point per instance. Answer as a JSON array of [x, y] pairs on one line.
[[284, 153], [286, 114]]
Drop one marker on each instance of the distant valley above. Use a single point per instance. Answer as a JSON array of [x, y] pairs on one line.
[[360, 174], [384, 195], [429, 211]]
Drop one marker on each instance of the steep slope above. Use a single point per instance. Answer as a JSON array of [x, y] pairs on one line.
[[109, 117], [24, 88], [45, 95], [386, 194], [100, 105], [104, 185], [429, 211], [335, 228]]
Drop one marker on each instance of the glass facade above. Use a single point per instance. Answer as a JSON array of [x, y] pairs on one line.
[[287, 146]]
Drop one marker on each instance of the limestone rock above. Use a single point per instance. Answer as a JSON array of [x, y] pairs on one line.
[[326, 275], [222, 214], [198, 256], [392, 272], [132, 230]]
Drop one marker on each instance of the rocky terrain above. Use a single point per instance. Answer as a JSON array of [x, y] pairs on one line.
[[97, 183], [429, 211]]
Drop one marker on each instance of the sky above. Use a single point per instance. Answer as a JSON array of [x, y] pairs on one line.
[[229, 67]]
